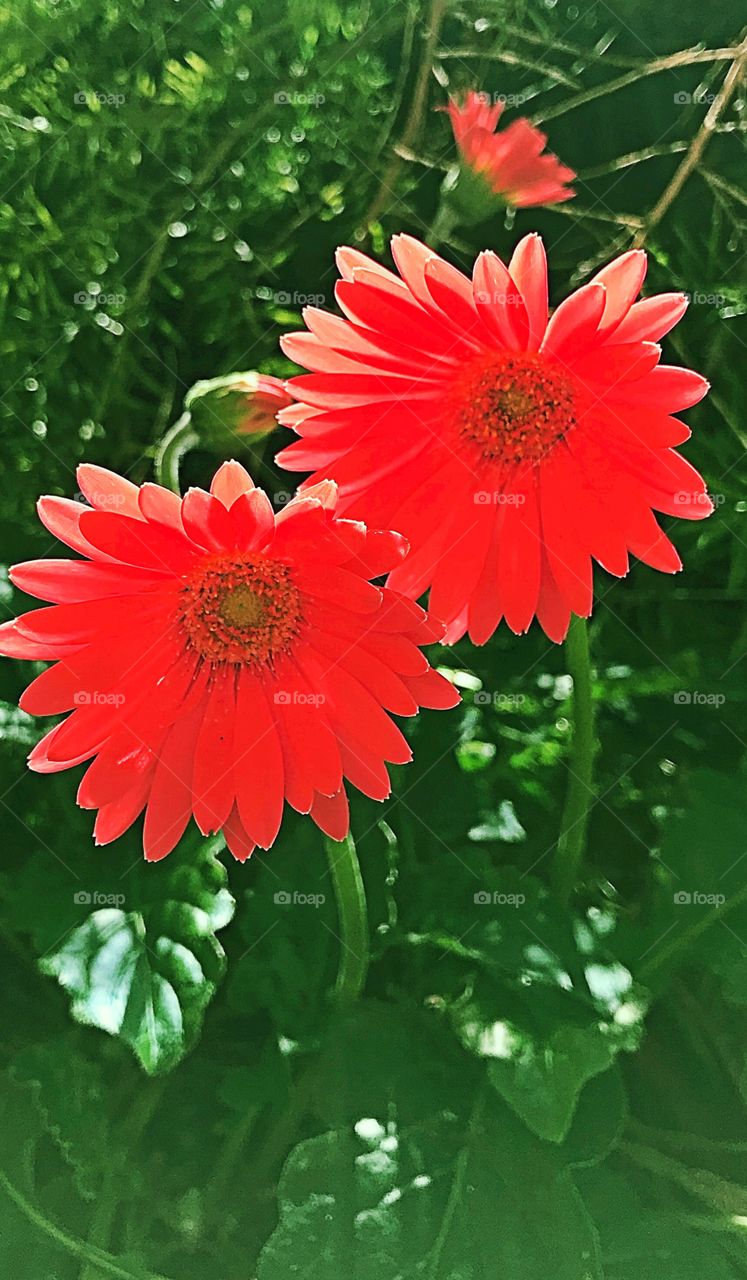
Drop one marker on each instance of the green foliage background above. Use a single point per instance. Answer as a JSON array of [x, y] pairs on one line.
[[525, 1091]]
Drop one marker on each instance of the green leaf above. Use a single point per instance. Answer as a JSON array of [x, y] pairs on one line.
[[642, 1242], [67, 1090], [437, 1201], [547, 1003], [375, 1052], [147, 976]]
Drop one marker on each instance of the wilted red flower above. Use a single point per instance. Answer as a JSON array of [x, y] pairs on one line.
[[264, 396], [508, 450], [219, 659], [510, 162]]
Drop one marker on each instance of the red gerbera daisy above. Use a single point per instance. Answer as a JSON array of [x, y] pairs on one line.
[[510, 162], [218, 659], [508, 450]]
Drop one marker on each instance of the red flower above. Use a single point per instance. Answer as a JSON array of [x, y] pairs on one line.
[[509, 451], [218, 659], [511, 162], [264, 396]]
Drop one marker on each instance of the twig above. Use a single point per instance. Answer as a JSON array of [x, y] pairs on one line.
[[698, 144], [416, 112], [102, 1260], [615, 60], [715, 180], [632, 157], [685, 58], [511, 60]]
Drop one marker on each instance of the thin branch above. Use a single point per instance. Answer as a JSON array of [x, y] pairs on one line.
[[512, 60], [698, 145], [104, 1261], [714, 180], [417, 110], [685, 58], [632, 157]]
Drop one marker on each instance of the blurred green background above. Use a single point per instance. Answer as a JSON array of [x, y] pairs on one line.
[[525, 1092]]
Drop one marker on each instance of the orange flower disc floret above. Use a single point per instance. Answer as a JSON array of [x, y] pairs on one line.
[[513, 408], [241, 608]]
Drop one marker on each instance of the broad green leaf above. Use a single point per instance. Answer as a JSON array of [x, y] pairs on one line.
[[147, 976], [67, 1090], [641, 1241], [436, 1201], [544, 999], [376, 1052]]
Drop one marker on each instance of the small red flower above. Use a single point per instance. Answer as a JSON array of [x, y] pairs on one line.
[[218, 659], [510, 449], [264, 396], [510, 162]]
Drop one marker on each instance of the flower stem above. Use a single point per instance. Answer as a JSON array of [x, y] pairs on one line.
[[444, 223], [171, 448], [106, 1264], [350, 896], [574, 823]]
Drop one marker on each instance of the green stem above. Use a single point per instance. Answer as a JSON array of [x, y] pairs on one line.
[[104, 1261], [442, 226], [350, 896], [679, 947], [574, 823], [139, 1112], [172, 447]]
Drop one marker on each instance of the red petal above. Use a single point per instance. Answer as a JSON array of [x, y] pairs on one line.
[[569, 561], [229, 482], [239, 843], [574, 324], [108, 491], [500, 302], [519, 558], [528, 270], [115, 818], [331, 814], [207, 522], [73, 581], [433, 690], [170, 802], [302, 709], [257, 762], [150, 546], [622, 280], [213, 789]]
